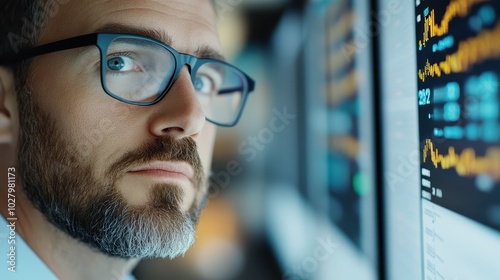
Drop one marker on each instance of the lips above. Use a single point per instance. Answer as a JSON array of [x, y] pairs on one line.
[[165, 169]]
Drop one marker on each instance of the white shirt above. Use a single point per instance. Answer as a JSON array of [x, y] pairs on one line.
[[25, 265]]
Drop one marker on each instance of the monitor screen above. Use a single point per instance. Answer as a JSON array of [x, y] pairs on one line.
[[337, 147], [340, 123], [349, 132], [441, 143]]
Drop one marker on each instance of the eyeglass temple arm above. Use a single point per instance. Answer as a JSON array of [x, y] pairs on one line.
[[71, 43], [230, 90], [234, 89], [251, 87]]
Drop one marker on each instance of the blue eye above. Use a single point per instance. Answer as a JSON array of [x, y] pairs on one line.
[[121, 64], [204, 85]]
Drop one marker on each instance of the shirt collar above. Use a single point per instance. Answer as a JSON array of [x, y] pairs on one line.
[[26, 263]]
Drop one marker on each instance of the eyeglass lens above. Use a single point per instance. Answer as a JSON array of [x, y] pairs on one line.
[[140, 70]]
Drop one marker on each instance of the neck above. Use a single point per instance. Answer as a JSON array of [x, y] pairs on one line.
[[65, 256]]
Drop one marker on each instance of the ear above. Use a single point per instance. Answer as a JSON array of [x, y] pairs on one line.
[[7, 105]]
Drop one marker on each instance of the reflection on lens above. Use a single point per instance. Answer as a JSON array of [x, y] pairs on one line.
[[138, 70], [222, 94]]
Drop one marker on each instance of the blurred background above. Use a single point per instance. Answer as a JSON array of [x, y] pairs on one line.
[[370, 148], [264, 220]]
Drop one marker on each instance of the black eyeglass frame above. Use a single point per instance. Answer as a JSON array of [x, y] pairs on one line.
[[103, 40]]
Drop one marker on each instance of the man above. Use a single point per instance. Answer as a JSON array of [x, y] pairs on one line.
[[108, 110]]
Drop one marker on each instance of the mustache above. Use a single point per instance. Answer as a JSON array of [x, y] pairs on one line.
[[160, 149]]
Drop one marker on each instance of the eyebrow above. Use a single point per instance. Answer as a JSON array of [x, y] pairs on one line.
[[159, 35], [208, 52]]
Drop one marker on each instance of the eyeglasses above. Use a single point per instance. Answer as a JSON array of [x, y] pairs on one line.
[[139, 70]]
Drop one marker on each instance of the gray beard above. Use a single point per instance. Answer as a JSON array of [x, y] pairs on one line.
[[135, 232], [60, 184]]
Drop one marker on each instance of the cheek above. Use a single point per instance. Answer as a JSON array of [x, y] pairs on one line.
[[66, 81], [85, 115], [104, 132]]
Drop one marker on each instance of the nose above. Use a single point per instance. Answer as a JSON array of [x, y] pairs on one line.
[[179, 114]]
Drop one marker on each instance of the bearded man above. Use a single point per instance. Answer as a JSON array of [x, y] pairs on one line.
[[108, 112]]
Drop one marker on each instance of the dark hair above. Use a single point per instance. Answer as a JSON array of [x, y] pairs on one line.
[[21, 23]]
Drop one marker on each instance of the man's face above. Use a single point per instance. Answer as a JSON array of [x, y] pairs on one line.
[[128, 180]]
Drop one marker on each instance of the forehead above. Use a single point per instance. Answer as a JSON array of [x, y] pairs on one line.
[[190, 23]]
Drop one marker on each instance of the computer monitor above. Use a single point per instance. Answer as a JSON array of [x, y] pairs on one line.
[[340, 130], [349, 194], [440, 103], [335, 199]]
